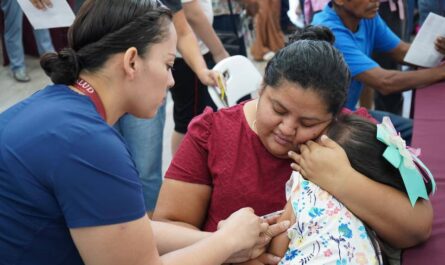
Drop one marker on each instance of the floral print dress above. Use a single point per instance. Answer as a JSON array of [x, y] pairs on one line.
[[325, 231]]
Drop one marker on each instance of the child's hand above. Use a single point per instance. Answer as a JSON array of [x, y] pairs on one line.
[[324, 163]]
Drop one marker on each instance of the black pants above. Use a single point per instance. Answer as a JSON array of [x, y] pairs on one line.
[[225, 26], [190, 96]]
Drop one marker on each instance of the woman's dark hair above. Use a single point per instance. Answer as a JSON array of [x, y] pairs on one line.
[[357, 137], [103, 28], [311, 61]]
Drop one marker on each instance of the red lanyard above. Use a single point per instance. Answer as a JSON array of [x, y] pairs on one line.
[[89, 91]]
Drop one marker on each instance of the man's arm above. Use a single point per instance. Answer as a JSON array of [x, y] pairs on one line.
[[399, 52], [367, 71], [202, 28], [391, 81], [188, 47]]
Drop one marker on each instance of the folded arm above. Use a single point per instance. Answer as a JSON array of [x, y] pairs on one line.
[[391, 81], [385, 209]]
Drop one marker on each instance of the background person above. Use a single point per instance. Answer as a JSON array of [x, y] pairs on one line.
[[13, 37], [144, 137], [190, 95], [359, 31]]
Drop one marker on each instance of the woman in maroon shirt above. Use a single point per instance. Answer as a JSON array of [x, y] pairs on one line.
[[238, 156]]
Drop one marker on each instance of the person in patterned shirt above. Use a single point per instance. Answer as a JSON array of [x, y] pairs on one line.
[[324, 231]]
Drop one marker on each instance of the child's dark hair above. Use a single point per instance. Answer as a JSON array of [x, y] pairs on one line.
[[357, 136], [103, 28]]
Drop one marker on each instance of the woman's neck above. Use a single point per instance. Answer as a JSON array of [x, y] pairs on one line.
[[249, 110], [107, 92]]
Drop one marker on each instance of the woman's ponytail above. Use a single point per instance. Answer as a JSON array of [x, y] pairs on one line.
[[62, 67]]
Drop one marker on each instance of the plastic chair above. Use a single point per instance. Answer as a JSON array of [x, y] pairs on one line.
[[240, 78]]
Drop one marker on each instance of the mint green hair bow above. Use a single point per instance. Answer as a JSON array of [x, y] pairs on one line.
[[405, 160]]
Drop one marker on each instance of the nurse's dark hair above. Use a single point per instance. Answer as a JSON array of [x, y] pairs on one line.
[[103, 28], [310, 60]]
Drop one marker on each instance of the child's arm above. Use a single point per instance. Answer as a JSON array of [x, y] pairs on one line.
[[280, 243]]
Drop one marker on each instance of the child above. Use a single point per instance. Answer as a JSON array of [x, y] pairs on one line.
[[324, 231]]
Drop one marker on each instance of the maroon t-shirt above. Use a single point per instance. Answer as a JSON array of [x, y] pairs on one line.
[[222, 151]]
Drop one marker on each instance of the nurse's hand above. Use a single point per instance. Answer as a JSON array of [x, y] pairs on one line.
[[258, 251]]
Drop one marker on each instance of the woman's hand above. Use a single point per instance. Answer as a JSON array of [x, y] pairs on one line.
[[324, 163], [273, 229]]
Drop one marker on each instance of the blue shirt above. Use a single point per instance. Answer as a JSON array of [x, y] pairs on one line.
[[373, 35], [61, 167]]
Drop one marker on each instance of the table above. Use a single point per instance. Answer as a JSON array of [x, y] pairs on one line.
[[429, 135]]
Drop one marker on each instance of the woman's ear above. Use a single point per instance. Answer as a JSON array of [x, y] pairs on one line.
[[130, 62]]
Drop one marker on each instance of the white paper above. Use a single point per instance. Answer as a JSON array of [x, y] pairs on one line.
[[422, 51], [59, 15]]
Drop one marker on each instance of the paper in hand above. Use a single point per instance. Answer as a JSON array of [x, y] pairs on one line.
[[57, 16], [422, 51]]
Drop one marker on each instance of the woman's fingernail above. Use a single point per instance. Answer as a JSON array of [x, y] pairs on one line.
[[276, 259], [286, 223]]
